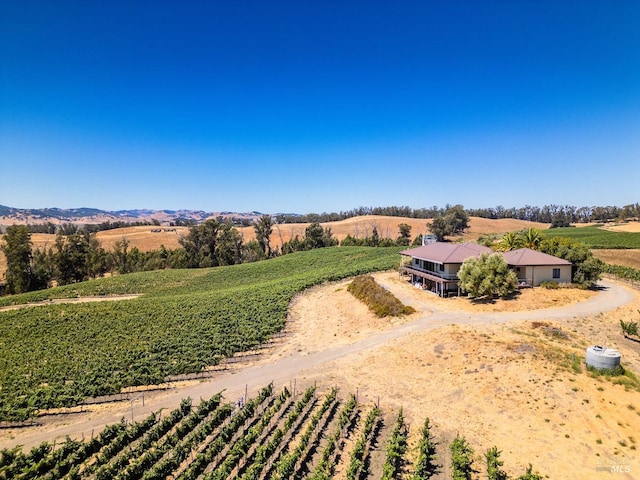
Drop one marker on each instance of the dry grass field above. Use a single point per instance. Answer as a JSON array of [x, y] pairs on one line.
[[144, 238], [387, 227], [627, 258], [511, 385], [632, 227]]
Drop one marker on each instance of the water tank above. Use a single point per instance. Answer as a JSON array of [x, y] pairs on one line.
[[601, 357]]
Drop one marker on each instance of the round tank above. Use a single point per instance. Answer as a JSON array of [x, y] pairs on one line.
[[600, 357]]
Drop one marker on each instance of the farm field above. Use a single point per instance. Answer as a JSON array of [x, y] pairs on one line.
[[597, 237], [273, 435], [185, 320], [618, 256], [519, 386]]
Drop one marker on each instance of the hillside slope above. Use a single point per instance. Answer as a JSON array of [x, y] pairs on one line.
[[146, 238]]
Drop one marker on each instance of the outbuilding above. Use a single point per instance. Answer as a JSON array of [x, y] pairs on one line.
[[534, 268]]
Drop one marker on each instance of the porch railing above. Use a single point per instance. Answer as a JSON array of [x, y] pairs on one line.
[[444, 276]]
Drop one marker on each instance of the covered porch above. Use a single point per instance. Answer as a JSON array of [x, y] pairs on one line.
[[443, 286]]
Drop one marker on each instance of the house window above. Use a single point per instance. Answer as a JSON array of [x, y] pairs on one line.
[[556, 273], [442, 267]]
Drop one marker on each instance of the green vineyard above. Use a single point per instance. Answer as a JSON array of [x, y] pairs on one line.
[[595, 237], [56, 355], [275, 435]]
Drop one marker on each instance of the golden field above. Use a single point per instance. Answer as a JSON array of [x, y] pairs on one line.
[[145, 239]]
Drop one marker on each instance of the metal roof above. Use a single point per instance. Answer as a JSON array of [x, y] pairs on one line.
[[526, 256], [442, 252]]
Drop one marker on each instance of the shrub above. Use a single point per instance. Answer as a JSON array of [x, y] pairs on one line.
[[629, 328], [487, 275], [381, 302]]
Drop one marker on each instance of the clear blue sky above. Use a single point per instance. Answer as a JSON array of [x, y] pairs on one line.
[[312, 106]]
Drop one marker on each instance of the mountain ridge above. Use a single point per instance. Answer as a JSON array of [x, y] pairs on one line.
[[12, 215]]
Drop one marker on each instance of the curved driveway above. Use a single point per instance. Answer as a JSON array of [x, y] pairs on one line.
[[284, 369]]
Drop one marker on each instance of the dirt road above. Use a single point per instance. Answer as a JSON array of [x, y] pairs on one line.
[[283, 366]]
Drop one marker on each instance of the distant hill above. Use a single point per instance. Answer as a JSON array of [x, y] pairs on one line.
[[11, 216]]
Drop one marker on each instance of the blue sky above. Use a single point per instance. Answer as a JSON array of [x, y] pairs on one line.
[[318, 106]]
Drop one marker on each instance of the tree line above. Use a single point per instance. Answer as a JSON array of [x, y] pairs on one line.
[[77, 255], [556, 215]]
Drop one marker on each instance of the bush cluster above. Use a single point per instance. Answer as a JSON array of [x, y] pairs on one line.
[[381, 302]]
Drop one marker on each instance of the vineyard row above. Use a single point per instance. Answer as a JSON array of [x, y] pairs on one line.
[[275, 435]]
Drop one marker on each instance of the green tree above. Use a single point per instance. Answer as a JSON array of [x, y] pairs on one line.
[[120, 257], [317, 237], [531, 238], [71, 258], [16, 247], [293, 245], [454, 221], [457, 218], [509, 241], [587, 269], [229, 247], [97, 264], [43, 268], [314, 236], [252, 252], [263, 228], [439, 228], [487, 275], [404, 234], [494, 472], [350, 241], [374, 241], [201, 243]]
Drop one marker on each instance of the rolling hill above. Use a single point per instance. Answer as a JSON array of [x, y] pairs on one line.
[[147, 238]]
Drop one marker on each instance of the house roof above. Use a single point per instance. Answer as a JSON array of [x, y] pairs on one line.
[[442, 252], [528, 257]]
